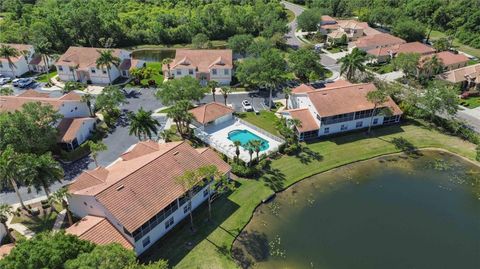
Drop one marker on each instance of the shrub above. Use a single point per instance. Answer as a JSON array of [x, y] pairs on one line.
[[242, 170], [292, 149]]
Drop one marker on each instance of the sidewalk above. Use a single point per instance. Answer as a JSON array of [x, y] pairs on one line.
[[59, 221]]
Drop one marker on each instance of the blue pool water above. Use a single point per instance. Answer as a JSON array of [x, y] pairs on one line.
[[244, 136]]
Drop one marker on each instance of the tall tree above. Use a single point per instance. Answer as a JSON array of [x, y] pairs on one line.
[[142, 124], [256, 145], [212, 85], [377, 97], [225, 92], [439, 99], [106, 60], [43, 49], [60, 197], [309, 19], [46, 172], [167, 62], [352, 63], [108, 103], [87, 99], [407, 62], [287, 91], [186, 88], [409, 30], [9, 52], [14, 169], [430, 66], [303, 62], [5, 211], [237, 145], [240, 43], [188, 180], [95, 148]]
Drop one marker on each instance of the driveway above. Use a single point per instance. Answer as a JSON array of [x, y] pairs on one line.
[[331, 64], [292, 40]]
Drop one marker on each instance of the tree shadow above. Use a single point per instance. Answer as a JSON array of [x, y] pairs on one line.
[[73, 169], [406, 146], [306, 155], [274, 179], [250, 247], [132, 94], [357, 135]]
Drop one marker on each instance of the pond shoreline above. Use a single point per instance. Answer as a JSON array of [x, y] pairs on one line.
[[404, 153]]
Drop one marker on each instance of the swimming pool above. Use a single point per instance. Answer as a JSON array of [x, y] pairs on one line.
[[244, 136]]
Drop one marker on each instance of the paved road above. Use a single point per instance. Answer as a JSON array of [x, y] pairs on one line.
[[470, 117], [292, 40]]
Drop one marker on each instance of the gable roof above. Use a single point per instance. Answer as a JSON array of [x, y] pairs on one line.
[[303, 88], [98, 230], [412, 47], [34, 93], [378, 40], [461, 74], [19, 48], [210, 112], [136, 189], [83, 57], [449, 58], [348, 99], [308, 123], [202, 60], [12, 103], [69, 127]]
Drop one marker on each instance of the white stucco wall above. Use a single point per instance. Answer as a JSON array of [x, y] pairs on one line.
[[224, 118], [85, 131], [74, 109], [351, 125]]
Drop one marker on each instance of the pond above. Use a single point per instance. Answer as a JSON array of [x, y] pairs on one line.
[[391, 212], [153, 55]]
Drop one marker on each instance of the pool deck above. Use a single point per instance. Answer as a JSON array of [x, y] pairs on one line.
[[217, 137]]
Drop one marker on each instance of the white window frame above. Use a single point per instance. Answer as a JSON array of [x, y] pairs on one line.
[[359, 124]]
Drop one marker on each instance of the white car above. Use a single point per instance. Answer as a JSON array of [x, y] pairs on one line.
[[4, 81], [247, 106], [22, 82]]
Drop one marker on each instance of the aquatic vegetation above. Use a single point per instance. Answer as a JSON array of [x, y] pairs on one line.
[[276, 247], [274, 208]]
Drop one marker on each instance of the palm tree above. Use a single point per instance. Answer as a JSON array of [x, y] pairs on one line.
[[87, 98], [352, 63], [95, 148], [377, 97], [5, 211], [431, 66], [47, 171], [250, 152], [188, 180], [212, 85], [167, 62], [25, 54], [210, 175], [106, 60], [73, 69], [287, 91], [225, 92], [8, 53], [256, 145], [237, 145], [166, 135], [60, 197], [142, 124], [12, 168]]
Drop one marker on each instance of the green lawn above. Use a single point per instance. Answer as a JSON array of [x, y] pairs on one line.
[[470, 102], [467, 49], [158, 76], [265, 120], [381, 68], [44, 77], [38, 224], [210, 246]]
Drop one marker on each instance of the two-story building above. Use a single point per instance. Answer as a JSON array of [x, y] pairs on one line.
[[80, 64], [337, 108], [137, 200], [384, 54], [204, 65], [381, 40], [76, 125], [20, 63]]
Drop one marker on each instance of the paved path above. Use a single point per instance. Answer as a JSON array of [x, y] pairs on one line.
[[59, 221], [292, 39]]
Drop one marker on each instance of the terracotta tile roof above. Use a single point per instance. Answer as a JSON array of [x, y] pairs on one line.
[[20, 48], [33, 93], [352, 24], [214, 158], [12, 103], [337, 83], [202, 60], [36, 60], [82, 57], [348, 99], [379, 40], [6, 249], [336, 34], [146, 147], [98, 230], [303, 88], [71, 96], [135, 190], [412, 47], [210, 112], [306, 118], [125, 64], [69, 127], [449, 58], [327, 18], [330, 26], [461, 74], [88, 179]]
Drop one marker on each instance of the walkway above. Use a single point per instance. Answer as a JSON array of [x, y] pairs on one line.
[[59, 221]]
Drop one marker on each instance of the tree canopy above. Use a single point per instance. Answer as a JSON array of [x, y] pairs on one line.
[[186, 88], [305, 63]]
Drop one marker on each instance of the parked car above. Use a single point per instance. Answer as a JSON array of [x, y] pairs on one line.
[[22, 82], [247, 106], [4, 80], [15, 82]]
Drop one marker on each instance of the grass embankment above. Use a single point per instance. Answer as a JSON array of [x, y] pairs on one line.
[[211, 244], [265, 120], [470, 102], [435, 35]]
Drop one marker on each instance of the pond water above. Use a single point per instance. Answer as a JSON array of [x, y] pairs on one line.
[[153, 55], [391, 212]]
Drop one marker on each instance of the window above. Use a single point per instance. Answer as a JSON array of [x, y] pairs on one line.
[[226, 72], [359, 124], [187, 208], [326, 130], [179, 72], [214, 71], [205, 192], [190, 71], [375, 121], [104, 71], [93, 70], [169, 223], [146, 241], [344, 127], [60, 68]]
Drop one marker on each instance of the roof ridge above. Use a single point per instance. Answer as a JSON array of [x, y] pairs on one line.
[[103, 218], [143, 165], [340, 87]]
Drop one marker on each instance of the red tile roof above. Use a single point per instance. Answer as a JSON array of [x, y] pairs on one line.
[[82, 57], [33, 93], [202, 60], [210, 112], [136, 189], [412, 47], [6, 249], [308, 123], [449, 58], [98, 230], [69, 127], [379, 40], [348, 99], [461, 74], [12, 103], [303, 88]]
